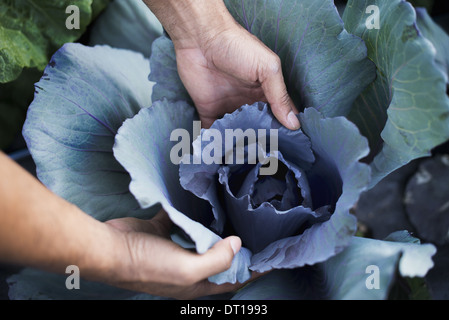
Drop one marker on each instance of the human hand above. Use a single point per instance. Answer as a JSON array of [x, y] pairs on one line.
[[230, 68], [220, 63], [156, 265]]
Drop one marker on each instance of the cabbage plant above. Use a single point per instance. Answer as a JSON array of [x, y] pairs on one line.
[[371, 100]]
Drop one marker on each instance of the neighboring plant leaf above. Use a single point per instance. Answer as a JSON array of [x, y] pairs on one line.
[[82, 99], [348, 275], [418, 289], [404, 112], [409, 289], [31, 30], [127, 24]]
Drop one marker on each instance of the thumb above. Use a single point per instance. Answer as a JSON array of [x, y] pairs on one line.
[[218, 258], [275, 91]]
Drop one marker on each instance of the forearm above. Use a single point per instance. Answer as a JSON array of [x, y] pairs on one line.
[[39, 229], [191, 22]]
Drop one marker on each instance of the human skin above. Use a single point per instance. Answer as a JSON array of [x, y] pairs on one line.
[[220, 63]]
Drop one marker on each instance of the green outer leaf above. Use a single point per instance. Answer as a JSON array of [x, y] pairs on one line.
[[324, 67], [31, 30], [404, 112]]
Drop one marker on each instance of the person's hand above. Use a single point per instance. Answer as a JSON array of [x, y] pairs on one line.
[[220, 63], [160, 267], [229, 68]]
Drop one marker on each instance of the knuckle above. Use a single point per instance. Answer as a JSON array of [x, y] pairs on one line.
[[274, 64]]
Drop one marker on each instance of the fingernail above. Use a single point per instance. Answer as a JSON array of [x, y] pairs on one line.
[[236, 244], [293, 121]]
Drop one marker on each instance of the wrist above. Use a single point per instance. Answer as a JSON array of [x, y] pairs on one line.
[[111, 259], [192, 23], [105, 259]]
